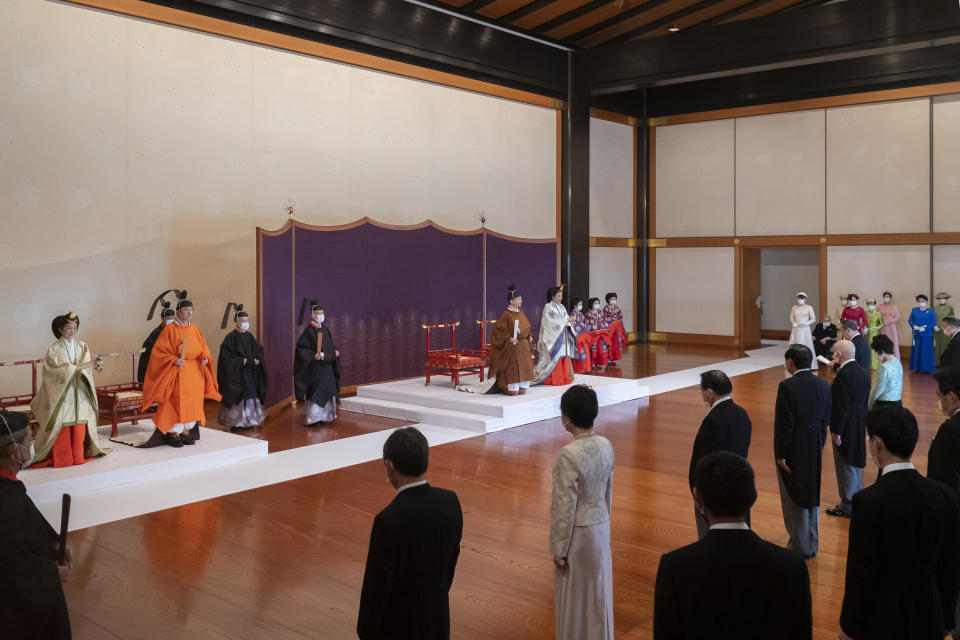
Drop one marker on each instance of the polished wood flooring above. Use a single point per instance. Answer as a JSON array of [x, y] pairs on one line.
[[286, 561]]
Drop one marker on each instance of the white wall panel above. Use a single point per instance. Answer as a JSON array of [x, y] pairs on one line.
[[695, 290], [946, 273], [869, 271], [612, 160], [780, 174], [695, 179], [611, 270], [946, 163], [878, 167]]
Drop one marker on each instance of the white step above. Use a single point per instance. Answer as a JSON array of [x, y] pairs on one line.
[[417, 413]]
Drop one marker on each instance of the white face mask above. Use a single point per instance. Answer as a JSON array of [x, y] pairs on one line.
[[872, 307], [168, 321], [943, 301], [596, 305], [613, 301], [886, 298], [923, 304], [319, 319], [852, 303], [801, 301], [244, 326], [579, 307], [826, 323]]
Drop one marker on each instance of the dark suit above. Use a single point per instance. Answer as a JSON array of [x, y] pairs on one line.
[[903, 559], [943, 459], [849, 396], [862, 351], [413, 552], [951, 355], [732, 585], [799, 432]]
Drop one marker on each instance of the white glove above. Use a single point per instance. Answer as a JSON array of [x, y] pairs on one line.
[[936, 328], [795, 324]]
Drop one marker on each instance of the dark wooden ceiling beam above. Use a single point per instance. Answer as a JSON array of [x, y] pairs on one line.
[[476, 5], [732, 13], [620, 17], [570, 15], [525, 10], [665, 20]]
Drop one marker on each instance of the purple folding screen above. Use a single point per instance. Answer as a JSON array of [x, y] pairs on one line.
[[378, 286]]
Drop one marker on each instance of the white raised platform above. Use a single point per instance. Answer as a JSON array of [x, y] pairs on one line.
[[442, 405], [126, 465]]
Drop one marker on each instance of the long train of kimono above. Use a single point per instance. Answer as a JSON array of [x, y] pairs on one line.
[[556, 346], [509, 363]]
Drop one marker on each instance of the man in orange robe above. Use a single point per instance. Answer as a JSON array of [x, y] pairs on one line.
[[180, 375]]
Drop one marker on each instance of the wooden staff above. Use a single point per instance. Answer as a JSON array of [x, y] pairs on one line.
[[320, 341], [64, 523], [183, 350]]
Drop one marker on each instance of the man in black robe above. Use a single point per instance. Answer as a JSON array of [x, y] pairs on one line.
[[849, 396], [241, 376], [316, 372], [167, 315], [32, 606], [799, 433], [824, 337]]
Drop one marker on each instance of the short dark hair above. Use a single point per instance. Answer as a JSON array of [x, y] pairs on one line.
[[716, 381], [882, 344], [800, 355], [579, 404], [948, 380], [897, 428], [726, 484], [850, 324], [408, 450], [953, 321], [612, 294], [574, 303], [552, 291], [591, 301]]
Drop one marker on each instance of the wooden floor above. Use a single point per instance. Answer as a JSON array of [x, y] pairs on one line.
[[286, 561]]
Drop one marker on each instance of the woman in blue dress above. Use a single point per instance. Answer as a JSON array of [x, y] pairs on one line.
[[922, 320]]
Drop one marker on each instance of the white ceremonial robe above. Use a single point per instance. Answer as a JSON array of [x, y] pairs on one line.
[[802, 318]]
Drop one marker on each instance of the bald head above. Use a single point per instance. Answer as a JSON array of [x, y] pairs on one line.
[[844, 350]]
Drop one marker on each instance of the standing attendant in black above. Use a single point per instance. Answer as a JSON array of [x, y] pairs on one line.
[[413, 552], [903, 554], [951, 354], [732, 584], [851, 331], [799, 432], [32, 606], [241, 375], [316, 372], [167, 315], [726, 427], [849, 395]]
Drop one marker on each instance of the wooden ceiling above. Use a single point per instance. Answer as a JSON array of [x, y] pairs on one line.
[[588, 23]]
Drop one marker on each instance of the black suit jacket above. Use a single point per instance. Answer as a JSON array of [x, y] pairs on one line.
[[732, 585], [413, 552], [849, 396], [951, 355], [943, 459], [903, 559], [862, 351], [726, 427], [799, 432]]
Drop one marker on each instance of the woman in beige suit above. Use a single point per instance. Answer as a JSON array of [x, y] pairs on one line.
[[580, 523]]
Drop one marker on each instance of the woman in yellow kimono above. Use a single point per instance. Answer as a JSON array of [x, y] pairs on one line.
[[874, 325], [66, 404]]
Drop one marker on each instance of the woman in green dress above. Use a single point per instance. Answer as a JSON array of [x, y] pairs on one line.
[[874, 325]]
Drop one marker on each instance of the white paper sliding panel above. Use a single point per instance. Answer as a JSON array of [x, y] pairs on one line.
[[780, 174], [695, 290], [612, 160], [946, 163], [694, 179], [946, 273], [878, 167], [611, 270], [869, 271], [784, 272]]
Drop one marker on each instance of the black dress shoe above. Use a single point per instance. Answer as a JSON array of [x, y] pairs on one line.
[[837, 513], [173, 440], [186, 438]]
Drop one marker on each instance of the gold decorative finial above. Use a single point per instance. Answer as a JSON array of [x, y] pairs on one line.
[[289, 208]]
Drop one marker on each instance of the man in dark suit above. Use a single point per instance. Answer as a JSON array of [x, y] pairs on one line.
[[799, 432], [903, 554], [849, 396], [413, 552], [726, 427], [951, 355], [731, 584], [851, 331]]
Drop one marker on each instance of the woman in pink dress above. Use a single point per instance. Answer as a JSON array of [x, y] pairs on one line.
[[891, 315]]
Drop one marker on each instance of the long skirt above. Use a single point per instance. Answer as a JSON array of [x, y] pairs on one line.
[[802, 335], [921, 354], [583, 591], [245, 414], [562, 374]]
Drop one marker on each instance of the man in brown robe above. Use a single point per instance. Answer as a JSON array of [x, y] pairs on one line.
[[510, 359]]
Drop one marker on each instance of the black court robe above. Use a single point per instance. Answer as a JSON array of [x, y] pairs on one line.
[[316, 380], [849, 396], [819, 333], [943, 459], [32, 606], [145, 356], [799, 432], [951, 354], [239, 381]]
